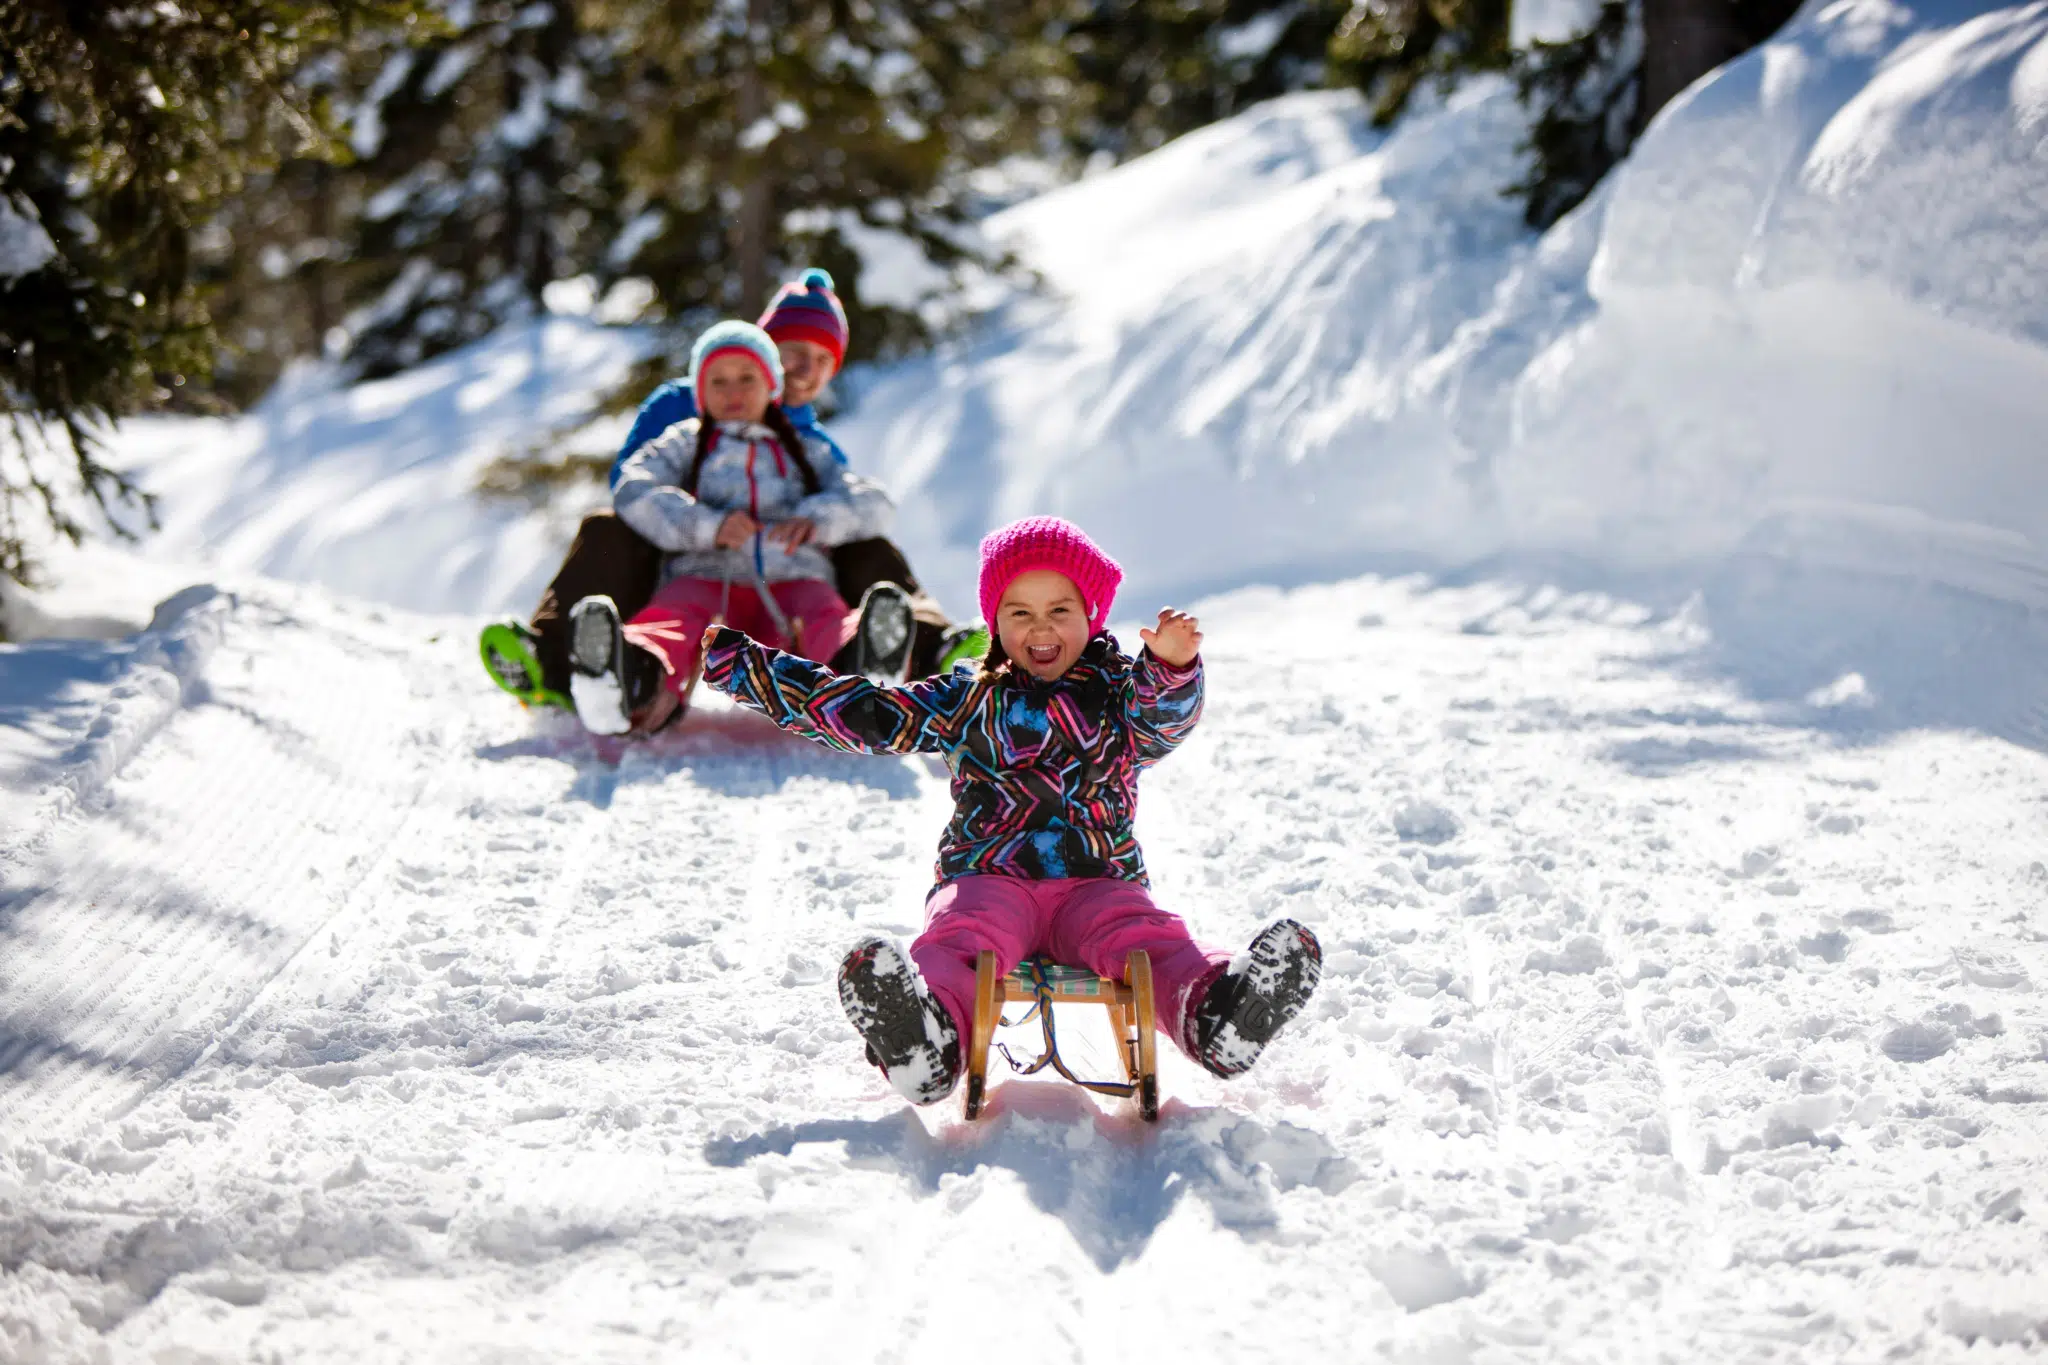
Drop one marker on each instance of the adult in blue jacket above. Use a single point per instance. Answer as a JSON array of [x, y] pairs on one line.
[[609, 558]]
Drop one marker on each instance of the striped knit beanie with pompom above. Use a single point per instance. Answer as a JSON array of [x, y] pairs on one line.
[[806, 309], [733, 337], [1048, 543]]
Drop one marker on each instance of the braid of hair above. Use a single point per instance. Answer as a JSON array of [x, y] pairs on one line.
[[785, 430], [707, 432], [996, 661]]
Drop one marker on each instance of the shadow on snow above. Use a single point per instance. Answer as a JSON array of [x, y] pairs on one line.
[[1113, 1189], [727, 751], [1849, 654]]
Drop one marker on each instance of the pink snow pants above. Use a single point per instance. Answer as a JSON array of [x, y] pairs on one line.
[[671, 625], [1091, 922]]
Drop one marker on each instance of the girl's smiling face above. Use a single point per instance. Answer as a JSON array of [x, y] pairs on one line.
[[734, 389], [1042, 623]]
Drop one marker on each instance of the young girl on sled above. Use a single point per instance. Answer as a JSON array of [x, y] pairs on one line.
[[1045, 745], [743, 505]]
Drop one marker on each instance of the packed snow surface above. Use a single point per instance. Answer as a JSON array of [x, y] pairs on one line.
[[346, 1015], [1679, 860]]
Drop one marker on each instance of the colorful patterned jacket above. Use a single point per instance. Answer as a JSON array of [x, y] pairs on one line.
[[1045, 775]]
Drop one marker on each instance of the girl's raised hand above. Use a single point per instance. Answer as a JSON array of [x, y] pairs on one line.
[[1177, 640], [734, 530], [791, 534]]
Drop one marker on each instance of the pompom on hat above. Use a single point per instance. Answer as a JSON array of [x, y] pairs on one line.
[[1048, 543], [733, 337], [806, 309]]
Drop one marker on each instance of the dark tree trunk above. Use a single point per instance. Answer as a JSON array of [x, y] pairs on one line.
[[750, 226], [319, 272], [1682, 41]]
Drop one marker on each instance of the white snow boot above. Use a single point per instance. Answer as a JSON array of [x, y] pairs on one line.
[[882, 641]]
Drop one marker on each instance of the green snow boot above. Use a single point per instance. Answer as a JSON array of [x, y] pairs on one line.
[[507, 649], [961, 644]]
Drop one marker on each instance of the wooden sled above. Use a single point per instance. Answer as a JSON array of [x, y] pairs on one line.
[[1044, 984]]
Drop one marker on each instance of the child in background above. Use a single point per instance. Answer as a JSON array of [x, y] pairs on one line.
[[1045, 745], [744, 506]]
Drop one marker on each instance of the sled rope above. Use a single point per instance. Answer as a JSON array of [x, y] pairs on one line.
[[1041, 1010]]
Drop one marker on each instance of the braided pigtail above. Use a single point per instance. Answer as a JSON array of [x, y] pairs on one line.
[[707, 434], [997, 661], [785, 431]]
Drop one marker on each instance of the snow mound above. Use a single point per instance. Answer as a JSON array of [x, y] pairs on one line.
[[1821, 283], [1815, 299], [371, 489], [76, 713]]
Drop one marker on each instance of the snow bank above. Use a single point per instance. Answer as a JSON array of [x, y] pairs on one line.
[[372, 489], [1815, 299], [75, 712], [1820, 285]]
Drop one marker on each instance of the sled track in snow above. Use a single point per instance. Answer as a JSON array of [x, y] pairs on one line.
[[197, 859], [1653, 1010]]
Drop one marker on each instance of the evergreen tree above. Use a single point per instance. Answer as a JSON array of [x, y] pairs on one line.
[[780, 132], [122, 126], [1584, 94], [487, 167], [1150, 70], [1388, 48]]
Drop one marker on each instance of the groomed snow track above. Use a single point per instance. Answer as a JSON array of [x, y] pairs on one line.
[[1679, 1007]]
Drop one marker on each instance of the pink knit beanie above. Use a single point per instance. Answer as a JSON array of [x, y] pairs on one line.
[[1048, 543]]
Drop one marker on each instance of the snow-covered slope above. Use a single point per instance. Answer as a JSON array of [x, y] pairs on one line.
[[1813, 299], [1806, 319], [372, 489], [347, 1017]]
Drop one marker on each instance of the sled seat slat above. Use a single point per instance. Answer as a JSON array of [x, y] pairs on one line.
[[1068, 983], [1130, 1006]]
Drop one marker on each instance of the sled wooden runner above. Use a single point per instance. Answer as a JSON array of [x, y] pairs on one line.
[[1044, 984]]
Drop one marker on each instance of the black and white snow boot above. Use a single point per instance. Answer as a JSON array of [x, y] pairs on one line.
[[882, 640], [610, 680], [908, 1032], [1262, 989], [596, 647]]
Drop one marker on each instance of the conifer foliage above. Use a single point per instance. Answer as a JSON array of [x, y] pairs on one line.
[[1147, 71], [772, 133], [486, 168], [1391, 48], [122, 127]]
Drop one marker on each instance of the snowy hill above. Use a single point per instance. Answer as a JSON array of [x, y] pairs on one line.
[[1810, 301], [1805, 320], [1651, 718]]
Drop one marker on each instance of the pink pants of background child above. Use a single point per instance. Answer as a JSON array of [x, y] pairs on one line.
[[671, 625], [1092, 922]]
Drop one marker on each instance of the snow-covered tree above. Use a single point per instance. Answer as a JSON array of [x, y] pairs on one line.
[[773, 133], [122, 127], [1150, 70], [486, 165]]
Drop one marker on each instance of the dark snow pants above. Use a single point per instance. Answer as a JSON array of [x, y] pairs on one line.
[[610, 558]]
